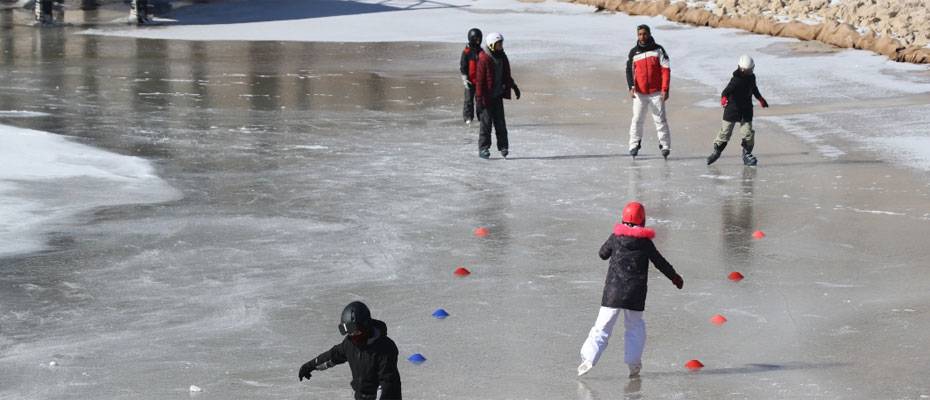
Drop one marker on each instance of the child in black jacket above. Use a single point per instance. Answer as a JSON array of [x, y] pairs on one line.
[[467, 67], [737, 102], [630, 249]]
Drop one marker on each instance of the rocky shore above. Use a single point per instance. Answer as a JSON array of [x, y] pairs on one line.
[[898, 29]]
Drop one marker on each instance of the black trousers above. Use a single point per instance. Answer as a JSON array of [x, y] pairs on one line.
[[468, 110], [492, 114]]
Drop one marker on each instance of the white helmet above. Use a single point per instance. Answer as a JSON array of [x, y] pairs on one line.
[[492, 38], [745, 62]]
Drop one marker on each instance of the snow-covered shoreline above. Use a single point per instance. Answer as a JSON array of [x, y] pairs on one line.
[[47, 179]]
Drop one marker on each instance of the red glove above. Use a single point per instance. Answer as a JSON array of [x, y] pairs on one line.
[[763, 103], [678, 282], [723, 101]]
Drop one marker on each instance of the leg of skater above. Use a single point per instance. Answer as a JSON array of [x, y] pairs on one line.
[[484, 131], [500, 127], [748, 142], [636, 126], [657, 107], [597, 339], [720, 143], [634, 340]]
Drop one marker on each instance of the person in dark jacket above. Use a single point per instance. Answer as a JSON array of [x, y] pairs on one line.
[[493, 84], [468, 66], [736, 100], [630, 249], [371, 354]]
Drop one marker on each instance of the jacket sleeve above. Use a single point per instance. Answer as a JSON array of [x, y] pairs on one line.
[[389, 377], [666, 69], [755, 90], [606, 248], [729, 89], [510, 82], [629, 70], [335, 355], [481, 78], [661, 264], [463, 63]]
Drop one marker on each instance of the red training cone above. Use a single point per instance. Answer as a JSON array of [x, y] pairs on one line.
[[758, 234], [481, 231], [718, 320], [462, 272], [735, 276], [694, 365]]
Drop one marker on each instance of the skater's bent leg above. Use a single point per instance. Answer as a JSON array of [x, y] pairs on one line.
[[636, 126], [726, 129], [500, 125], [484, 131], [468, 110], [634, 337], [658, 116], [600, 334], [749, 135]]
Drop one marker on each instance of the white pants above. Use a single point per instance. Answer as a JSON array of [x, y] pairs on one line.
[[634, 339], [656, 105]]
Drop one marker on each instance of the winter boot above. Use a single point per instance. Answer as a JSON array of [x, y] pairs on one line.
[[665, 152], [748, 158], [718, 148], [584, 368], [634, 370], [635, 150], [504, 153], [484, 153]]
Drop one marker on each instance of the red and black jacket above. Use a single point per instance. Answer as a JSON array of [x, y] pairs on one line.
[[485, 79], [468, 65], [647, 68]]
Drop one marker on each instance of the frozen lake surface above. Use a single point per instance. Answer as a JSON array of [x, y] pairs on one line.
[[245, 191]]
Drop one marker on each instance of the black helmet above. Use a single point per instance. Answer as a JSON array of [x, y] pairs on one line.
[[474, 36], [354, 316]]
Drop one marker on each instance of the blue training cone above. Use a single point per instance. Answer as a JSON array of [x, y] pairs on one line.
[[440, 314], [417, 358]]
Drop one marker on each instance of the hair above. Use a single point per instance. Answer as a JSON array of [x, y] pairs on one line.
[[643, 27]]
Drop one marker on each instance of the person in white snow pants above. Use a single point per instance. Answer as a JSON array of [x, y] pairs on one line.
[[630, 250], [647, 76]]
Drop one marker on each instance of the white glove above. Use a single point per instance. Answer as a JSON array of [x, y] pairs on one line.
[[466, 82]]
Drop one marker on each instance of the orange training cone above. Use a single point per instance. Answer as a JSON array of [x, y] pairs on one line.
[[735, 276], [758, 234], [462, 272], [718, 320], [481, 232], [694, 365]]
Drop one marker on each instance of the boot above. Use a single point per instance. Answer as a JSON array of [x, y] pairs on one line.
[[484, 153], [665, 152], [748, 158], [635, 150], [504, 153], [635, 369], [718, 148], [584, 368]]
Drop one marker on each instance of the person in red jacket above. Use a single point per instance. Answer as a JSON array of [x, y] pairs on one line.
[[647, 76], [493, 84], [630, 249], [468, 65]]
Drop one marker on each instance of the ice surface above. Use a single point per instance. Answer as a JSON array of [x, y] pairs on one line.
[[47, 178]]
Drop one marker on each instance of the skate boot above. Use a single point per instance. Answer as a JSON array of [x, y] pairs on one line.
[[584, 368], [718, 148], [634, 370], [484, 153], [665, 152], [748, 158], [504, 153], [635, 150]]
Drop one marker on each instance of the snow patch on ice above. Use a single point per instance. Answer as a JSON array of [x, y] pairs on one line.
[[811, 130], [21, 114], [905, 150], [47, 179], [861, 211], [718, 177], [837, 285], [311, 147]]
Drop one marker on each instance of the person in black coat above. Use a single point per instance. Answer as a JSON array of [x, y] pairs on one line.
[[371, 354], [737, 102], [629, 249], [468, 65]]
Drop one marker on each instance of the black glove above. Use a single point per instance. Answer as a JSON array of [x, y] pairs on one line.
[[306, 369], [516, 91], [678, 281]]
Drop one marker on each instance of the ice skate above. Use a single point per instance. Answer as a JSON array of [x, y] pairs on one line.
[[504, 153], [748, 158], [635, 150], [634, 370], [718, 148], [584, 368], [665, 153], [485, 154]]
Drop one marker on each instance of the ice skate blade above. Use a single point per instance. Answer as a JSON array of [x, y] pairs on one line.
[[584, 368]]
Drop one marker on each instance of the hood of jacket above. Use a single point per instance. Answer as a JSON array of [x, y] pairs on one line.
[[631, 237]]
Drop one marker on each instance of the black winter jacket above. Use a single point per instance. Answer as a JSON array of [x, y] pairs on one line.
[[630, 249], [739, 94], [372, 365]]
